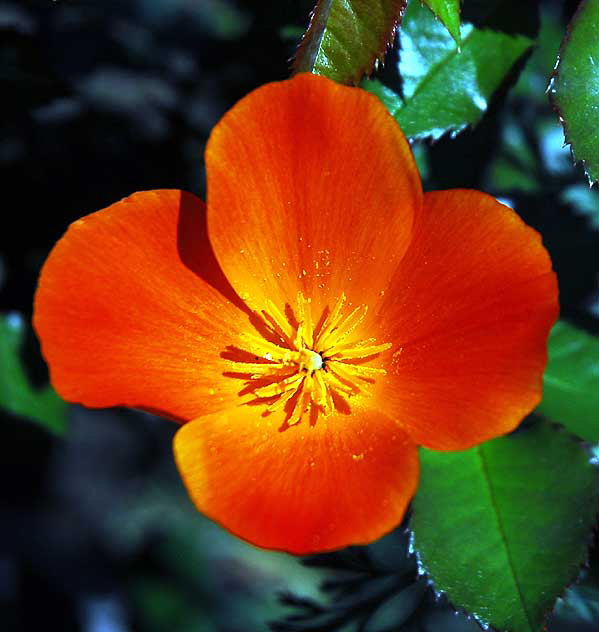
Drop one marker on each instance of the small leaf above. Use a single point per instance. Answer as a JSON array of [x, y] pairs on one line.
[[444, 89], [574, 86], [448, 11], [16, 394], [347, 37], [571, 381], [503, 527]]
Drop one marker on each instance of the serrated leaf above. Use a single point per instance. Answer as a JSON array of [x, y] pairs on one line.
[[445, 90], [571, 381], [575, 84], [503, 527], [448, 11], [347, 37], [16, 394]]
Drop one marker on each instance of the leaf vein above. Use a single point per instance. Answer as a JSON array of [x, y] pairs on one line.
[[501, 528]]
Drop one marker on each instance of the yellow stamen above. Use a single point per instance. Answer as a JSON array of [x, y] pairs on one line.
[[279, 320], [315, 368]]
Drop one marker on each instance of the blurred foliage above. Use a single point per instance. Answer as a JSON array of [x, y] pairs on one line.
[[101, 99], [578, 609], [372, 589]]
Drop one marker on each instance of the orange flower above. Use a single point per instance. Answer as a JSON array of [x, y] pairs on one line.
[[319, 320]]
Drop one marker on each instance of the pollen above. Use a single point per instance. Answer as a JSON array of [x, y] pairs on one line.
[[307, 367]]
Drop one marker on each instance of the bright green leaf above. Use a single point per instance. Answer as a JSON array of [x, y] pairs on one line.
[[574, 88], [571, 381], [443, 89], [346, 37], [503, 527], [16, 394], [448, 11]]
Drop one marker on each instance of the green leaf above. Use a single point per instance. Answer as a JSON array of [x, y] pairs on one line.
[[444, 89], [347, 37], [448, 11], [575, 84], [503, 527], [571, 381], [16, 394]]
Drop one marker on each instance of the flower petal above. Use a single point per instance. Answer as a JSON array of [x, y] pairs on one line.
[[469, 313], [312, 187], [345, 480], [131, 311]]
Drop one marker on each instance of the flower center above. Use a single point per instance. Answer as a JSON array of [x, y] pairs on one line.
[[309, 360], [305, 367]]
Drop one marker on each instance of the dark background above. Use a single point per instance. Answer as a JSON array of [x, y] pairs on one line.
[[100, 99]]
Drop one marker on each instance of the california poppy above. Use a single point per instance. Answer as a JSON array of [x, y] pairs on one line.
[[319, 319]]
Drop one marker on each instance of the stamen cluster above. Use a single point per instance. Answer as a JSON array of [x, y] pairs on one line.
[[305, 367]]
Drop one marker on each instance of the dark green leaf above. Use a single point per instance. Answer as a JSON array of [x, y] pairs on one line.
[[503, 527], [16, 394], [443, 89], [448, 11], [575, 84], [571, 381], [347, 37]]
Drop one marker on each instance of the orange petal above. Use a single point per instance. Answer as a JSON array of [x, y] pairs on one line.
[[469, 314], [130, 309], [312, 187], [345, 480]]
